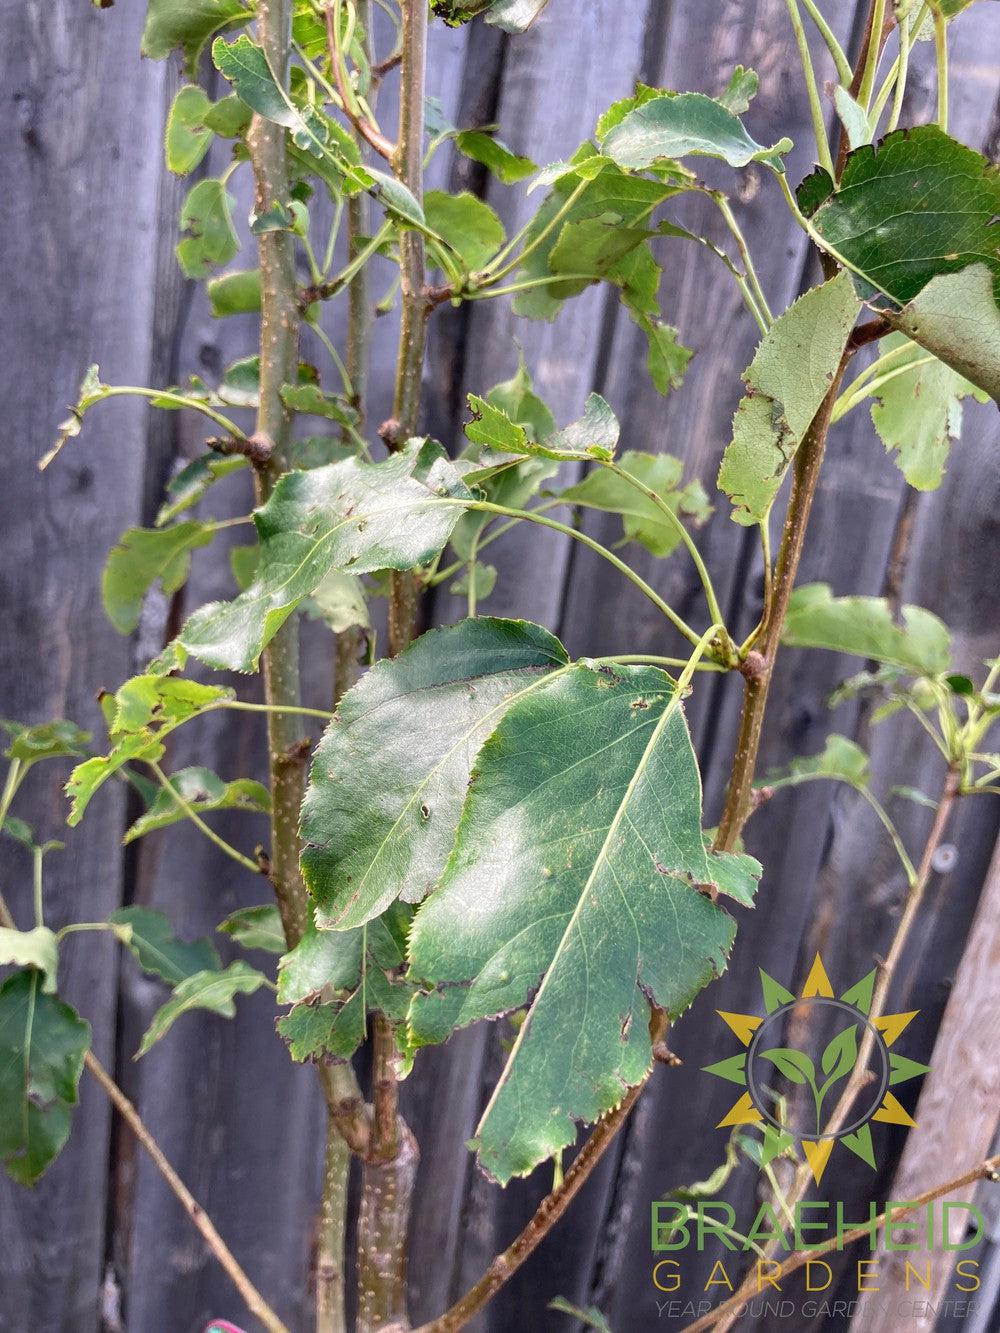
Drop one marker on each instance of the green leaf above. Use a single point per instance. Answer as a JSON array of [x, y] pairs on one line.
[[210, 990], [311, 399], [36, 948], [207, 217], [144, 710], [42, 1047], [642, 518], [142, 557], [256, 928], [151, 938], [340, 602], [234, 293], [244, 64], [351, 515], [591, 1316], [735, 874], [678, 124], [787, 381], [48, 740], [571, 881], [840, 758], [243, 561], [204, 792], [853, 117], [335, 979], [667, 358], [188, 24], [794, 1065], [470, 227], [507, 166], [917, 217], [92, 391], [189, 485], [379, 818], [483, 580], [840, 1055], [229, 118], [956, 317], [740, 90], [595, 435], [917, 413], [87, 777], [617, 111], [187, 139], [514, 15], [918, 641], [611, 196]]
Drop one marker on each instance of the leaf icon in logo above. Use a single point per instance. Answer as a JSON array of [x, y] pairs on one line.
[[794, 1065], [840, 1055]]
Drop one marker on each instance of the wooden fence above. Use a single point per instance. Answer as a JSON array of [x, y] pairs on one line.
[[89, 274]]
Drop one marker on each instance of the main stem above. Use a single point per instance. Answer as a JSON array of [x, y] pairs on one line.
[[759, 665], [279, 340], [287, 751], [390, 1169], [331, 1268]]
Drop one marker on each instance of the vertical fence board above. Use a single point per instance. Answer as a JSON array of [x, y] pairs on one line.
[[81, 191]]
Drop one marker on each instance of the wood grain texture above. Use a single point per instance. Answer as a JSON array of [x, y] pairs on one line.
[[79, 278], [957, 1112]]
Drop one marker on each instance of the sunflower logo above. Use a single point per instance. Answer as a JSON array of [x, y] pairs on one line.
[[855, 1045]]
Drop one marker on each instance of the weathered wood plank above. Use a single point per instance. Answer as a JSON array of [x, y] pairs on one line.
[[79, 286], [957, 1112]]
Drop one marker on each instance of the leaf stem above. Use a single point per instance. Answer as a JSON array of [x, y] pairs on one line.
[[368, 131], [873, 53], [492, 273], [533, 516], [840, 60], [291, 709], [37, 857], [675, 522], [941, 62], [199, 823], [722, 203], [812, 88], [852, 397], [254, 1300], [176, 400]]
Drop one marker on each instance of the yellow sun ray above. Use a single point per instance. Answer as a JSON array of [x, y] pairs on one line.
[[817, 982], [892, 1025], [817, 1155], [743, 1113], [892, 1113], [744, 1025]]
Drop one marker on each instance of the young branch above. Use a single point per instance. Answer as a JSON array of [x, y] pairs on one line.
[[731, 1308], [759, 664], [546, 1215], [886, 972]]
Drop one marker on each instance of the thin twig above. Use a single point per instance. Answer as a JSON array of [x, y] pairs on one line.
[[886, 972], [255, 1302], [371, 134]]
